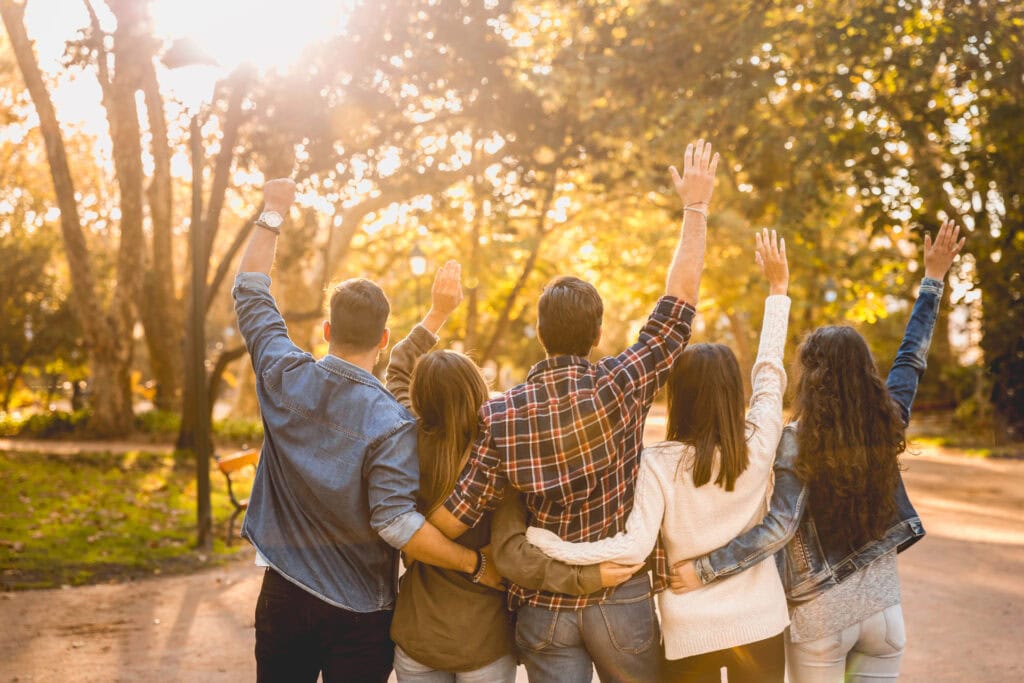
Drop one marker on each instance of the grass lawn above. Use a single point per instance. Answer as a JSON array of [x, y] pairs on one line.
[[71, 520]]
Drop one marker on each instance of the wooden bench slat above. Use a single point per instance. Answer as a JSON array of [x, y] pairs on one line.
[[236, 461]]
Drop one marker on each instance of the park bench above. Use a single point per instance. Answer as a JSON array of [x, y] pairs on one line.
[[229, 465]]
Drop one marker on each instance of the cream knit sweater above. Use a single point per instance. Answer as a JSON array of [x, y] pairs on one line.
[[743, 608]]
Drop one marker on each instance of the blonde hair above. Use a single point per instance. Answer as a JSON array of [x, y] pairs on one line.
[[446, 391]]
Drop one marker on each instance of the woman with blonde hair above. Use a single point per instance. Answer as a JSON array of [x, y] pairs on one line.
[[446, 627]]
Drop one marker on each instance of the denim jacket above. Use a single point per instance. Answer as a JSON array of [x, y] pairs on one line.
[[335, 489], [808, 562]]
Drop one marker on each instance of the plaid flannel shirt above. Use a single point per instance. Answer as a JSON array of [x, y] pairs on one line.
[[570, 439]]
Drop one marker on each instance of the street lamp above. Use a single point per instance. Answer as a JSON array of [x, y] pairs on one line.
[[193, 77], [418, 266]]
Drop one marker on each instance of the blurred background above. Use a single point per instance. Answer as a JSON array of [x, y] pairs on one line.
[[526, 139]]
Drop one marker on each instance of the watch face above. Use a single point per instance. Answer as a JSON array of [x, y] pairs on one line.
[[272, 218]]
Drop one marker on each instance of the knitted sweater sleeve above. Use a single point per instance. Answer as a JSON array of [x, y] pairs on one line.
[[768, 380], [631, 546]]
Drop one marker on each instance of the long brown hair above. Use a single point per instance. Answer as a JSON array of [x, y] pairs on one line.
[[850, 435], [446, 391], [706, 410]]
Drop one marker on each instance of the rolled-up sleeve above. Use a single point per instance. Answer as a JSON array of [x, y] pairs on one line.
[[392, 477], [644, 366], [259, 320]]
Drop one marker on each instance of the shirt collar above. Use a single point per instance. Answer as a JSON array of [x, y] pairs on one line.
[[556, 363], [340, 366]]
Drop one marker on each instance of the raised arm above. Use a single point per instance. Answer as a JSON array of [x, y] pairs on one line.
[[912, 356], [278, 196], [695, 188], [526, 565], [631, 546], [643, 367], [259, 320], [768, 377], [445, 297]]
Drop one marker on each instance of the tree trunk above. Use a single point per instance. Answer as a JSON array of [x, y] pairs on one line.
[[531, 261], [160, 308], [108, 336], [110, 386], [741, 334]]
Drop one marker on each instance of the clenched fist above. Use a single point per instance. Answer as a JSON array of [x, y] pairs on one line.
[[279, 195]]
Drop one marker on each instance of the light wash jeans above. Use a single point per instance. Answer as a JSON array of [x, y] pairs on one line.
[[620, 637], [408, 670], [868, 651]]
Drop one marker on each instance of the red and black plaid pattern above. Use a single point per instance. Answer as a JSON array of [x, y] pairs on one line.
[[570, 439]]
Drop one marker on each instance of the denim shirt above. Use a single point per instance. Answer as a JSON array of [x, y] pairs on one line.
[[810, 563], [335, 489]]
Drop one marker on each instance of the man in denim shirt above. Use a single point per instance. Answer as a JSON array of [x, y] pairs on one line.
[[334, 497]]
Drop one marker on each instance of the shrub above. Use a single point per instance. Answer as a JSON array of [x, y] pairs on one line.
[[54, 424], [161, 422], [238, 429], [11, 424]]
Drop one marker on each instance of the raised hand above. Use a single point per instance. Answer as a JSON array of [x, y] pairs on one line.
[[445, 295], [684, 577], [770, 254], [613, 573], [939, 256], [278, 195], [698, 180]]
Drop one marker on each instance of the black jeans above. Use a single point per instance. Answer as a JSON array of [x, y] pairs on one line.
[[299, 635], [760, 662]]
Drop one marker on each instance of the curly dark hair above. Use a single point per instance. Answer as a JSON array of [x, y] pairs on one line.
[[850, 435]]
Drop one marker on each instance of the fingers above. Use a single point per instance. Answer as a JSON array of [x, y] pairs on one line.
[[959, 245], [676, 179], [927, 242], [758, 259], [705, 160], [782, 248], [714, 164], [688, 158]]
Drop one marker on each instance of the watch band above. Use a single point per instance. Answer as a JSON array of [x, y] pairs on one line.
[[259, 222]]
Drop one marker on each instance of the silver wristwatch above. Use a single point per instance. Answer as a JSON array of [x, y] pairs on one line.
[[271, 220]]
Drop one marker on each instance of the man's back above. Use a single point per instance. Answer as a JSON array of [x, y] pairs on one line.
[[338, 471], [570, 438]]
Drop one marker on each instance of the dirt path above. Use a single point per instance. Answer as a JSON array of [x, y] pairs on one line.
[[962, 588]]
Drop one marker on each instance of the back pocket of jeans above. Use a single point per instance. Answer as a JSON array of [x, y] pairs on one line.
[[895, 630], [828, 646], [632, 626], [535, 628]]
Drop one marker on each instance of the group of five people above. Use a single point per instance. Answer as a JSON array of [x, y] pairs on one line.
[[769, 545]]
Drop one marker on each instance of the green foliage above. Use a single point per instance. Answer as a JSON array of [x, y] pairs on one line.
[[11, 424], [87, 518], [239, 430], [158, 422], [55, 424]]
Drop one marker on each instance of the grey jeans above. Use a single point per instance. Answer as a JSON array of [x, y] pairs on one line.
[[865, 652]]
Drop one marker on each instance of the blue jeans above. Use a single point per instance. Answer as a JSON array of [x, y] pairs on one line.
[[408, 670], [620, 637]]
